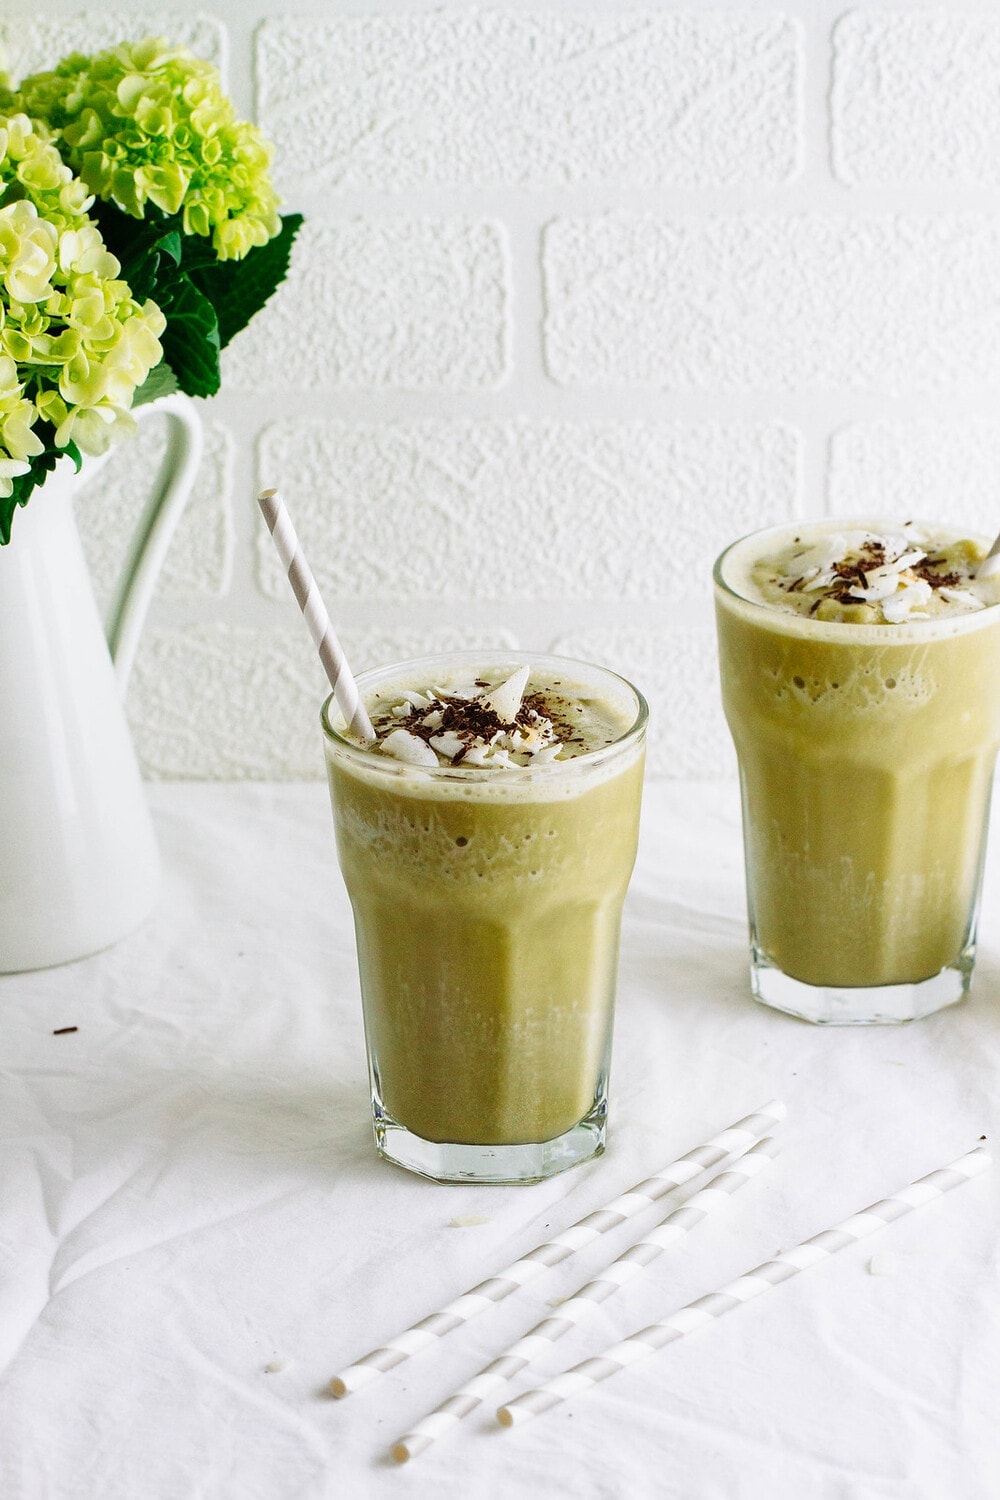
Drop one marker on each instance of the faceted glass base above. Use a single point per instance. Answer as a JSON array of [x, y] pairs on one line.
[[861, 1005], [532, 1162]]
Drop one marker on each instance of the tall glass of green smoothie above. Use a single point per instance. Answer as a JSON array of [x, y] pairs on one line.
[[860, 669], [486, 838]]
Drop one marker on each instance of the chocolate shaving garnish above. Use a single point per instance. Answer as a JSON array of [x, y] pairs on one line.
[[476, 725], [936, 580], [872, 566], [64, 1030]]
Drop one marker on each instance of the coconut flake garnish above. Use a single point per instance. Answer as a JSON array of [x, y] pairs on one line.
[[505, 699], [904, 601], [448, 744], [822, 555], [963, 596], [474, 725], [885, 584], [408, 748], [908, 560], [896, 573]]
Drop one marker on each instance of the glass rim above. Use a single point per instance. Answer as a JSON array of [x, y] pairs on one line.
[[575, 765], [791, 622]]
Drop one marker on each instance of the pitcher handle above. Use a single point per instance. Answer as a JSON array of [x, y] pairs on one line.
[[153, 534]]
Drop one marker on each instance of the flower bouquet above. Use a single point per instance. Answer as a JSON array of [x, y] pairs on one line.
[[139, 232]]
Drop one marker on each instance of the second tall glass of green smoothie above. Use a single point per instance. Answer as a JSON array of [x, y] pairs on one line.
[[487, 902], [865, 710]]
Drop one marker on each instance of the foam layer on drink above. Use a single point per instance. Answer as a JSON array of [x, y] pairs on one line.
[[505, 726], [498, 720], [875, 574]]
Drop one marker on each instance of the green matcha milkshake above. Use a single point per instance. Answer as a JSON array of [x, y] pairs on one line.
[[860, 668], [486, 840]]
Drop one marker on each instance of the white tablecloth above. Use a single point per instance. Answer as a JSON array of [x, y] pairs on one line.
[[195, 1232]]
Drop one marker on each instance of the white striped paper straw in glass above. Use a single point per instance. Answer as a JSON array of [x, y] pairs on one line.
[[307, 594], [576, 1308], [706, 1309], [736, 1138], [991, 562]]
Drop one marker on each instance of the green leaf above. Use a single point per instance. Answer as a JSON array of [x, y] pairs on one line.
[[149, 249], [130, 239], [191, 338], [238, 289], [41, 466], [204, 300], [151, 252], [155, 268], [161, 381], [8, 505]]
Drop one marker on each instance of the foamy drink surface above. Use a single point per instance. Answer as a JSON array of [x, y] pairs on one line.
[[869, 576], [496, 721]]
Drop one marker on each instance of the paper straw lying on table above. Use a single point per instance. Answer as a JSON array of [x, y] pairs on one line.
[[737, 1138], [573, 1311], [706, 1309], [307, 594]]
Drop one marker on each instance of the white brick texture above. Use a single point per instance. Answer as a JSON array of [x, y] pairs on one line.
[[530, 99], [199, 562], [418, 303], [898, 304], [945, 471], [522, 511], [224, 702], [35, 44], [915, 97]]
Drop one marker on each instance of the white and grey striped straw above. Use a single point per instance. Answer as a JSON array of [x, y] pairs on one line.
[[576, 1308], [735, 1139], [706, 1309], [307, 594], [991, 562]]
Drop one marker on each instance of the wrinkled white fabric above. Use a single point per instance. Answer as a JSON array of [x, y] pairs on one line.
[[195, 1232]]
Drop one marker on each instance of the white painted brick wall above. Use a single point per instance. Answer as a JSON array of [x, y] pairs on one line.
[[411, 303], [945, 470], [779, 304], [199, 563], [521, 511], [31, 43], [530, 98], [915, 98], [583, 293]]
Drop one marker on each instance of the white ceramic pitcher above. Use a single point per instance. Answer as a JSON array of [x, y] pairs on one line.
[[79, 866]]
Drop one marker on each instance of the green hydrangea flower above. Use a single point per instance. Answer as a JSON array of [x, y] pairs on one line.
[[74, 343], [148, 123]]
